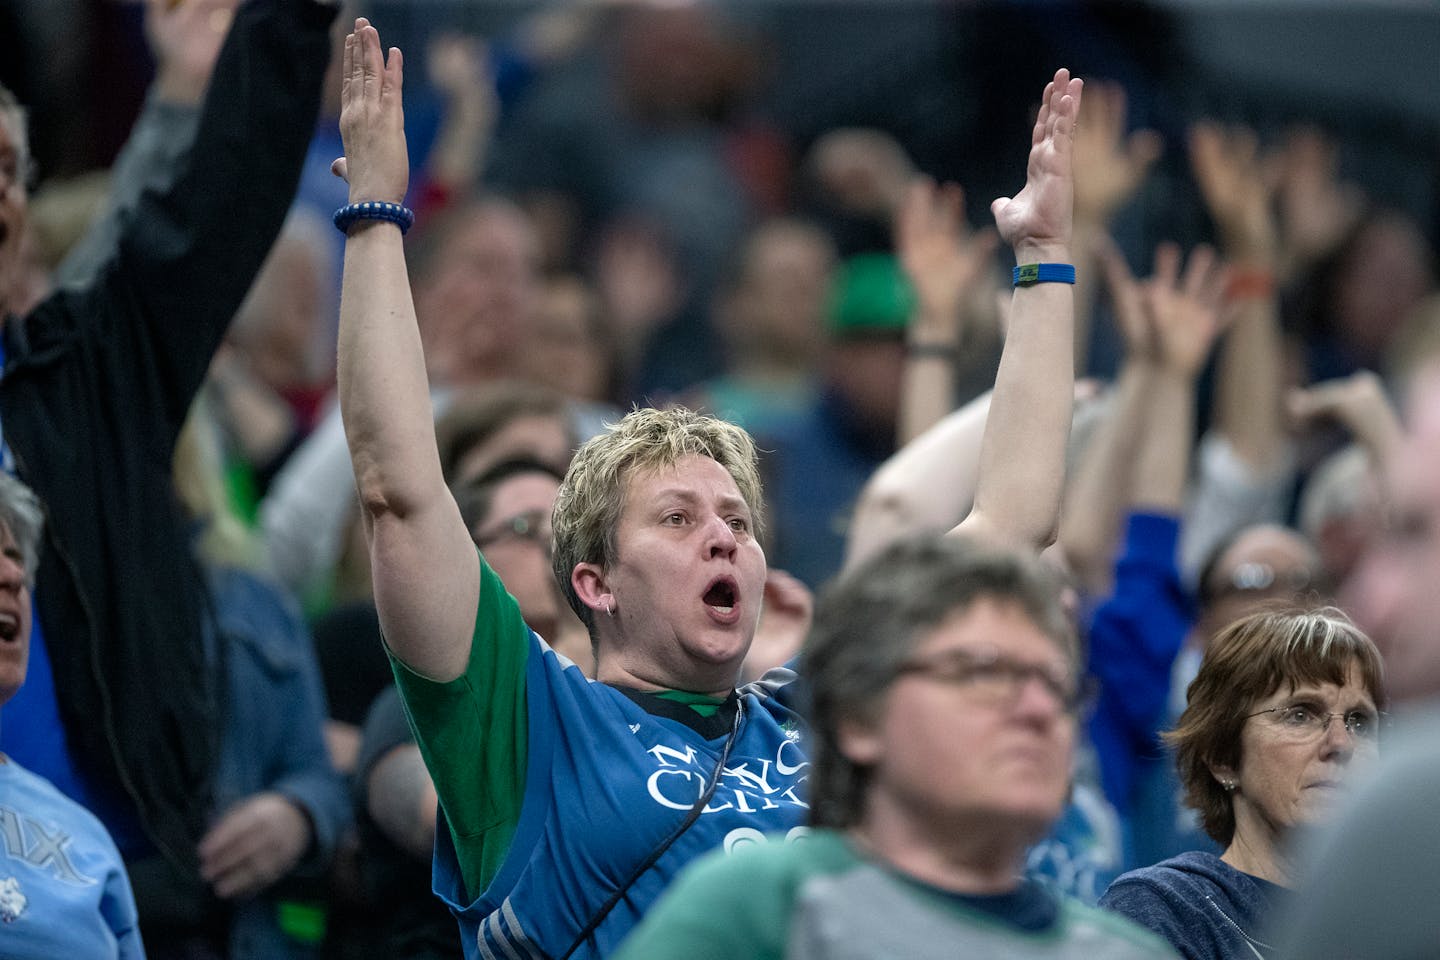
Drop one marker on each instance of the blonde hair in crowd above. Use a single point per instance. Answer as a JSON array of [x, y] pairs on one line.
[[592, 496]]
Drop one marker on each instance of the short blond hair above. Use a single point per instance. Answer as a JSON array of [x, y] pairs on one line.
[[592, 495]]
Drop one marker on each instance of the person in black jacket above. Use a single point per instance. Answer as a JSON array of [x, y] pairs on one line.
[[97, 380]]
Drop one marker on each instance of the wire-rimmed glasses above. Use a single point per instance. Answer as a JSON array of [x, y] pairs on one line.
[[1302, 722]]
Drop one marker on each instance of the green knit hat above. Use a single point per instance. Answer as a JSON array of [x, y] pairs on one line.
[[871, 297]]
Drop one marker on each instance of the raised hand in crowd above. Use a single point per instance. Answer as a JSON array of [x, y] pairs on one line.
[[1184, 312], [1132, 319], [1001, 457], [1037, 221], [941, 257], [458, 68], [185, 40], [372, 122], [1248, 424], [863, 171], [411, 518], [1169, 321], [1111, 162], [1359, 404], [945, 263], [1229, 170], [1126, 504], [458, 65], [1316, 208], [1022, 455], [1139, 457]]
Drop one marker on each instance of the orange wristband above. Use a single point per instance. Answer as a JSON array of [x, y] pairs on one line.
[[1253, 284]]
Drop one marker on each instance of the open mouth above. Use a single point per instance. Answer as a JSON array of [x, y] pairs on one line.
[[722, 596], [9, 627]]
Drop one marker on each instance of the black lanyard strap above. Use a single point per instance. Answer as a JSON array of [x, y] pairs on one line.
[[650, 861]]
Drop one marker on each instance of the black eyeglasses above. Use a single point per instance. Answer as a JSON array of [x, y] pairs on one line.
[[996, 679], [532, 525], [1302, 723]]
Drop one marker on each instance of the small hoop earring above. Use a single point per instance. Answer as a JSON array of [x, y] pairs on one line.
[[610, 610]]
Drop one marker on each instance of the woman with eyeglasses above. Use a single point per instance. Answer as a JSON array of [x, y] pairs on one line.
[[1284, 707], [944, 703]]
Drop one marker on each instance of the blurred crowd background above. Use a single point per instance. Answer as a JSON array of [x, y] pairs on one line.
[[631, 202]]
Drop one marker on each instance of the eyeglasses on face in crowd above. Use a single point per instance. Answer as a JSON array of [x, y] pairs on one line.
[[1256, 577], [532, 525], [1302, 722], [994, 678]]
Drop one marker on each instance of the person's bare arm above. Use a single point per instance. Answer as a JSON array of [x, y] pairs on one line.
[[1022, 456], [1097, 494], [1249, 378], [1111, 165], [426, 571], [900, 498], [943, 261], [1185, 312], [1099, 491]]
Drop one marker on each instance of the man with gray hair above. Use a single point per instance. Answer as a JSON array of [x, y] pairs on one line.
[[122, 708]]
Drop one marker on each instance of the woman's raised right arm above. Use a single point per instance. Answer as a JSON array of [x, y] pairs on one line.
[[426, 572]]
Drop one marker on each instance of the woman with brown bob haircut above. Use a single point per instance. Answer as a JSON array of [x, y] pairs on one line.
[[1284, 703]]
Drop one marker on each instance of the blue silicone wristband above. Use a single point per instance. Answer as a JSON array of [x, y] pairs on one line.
[[402, 217], [1032, 273]]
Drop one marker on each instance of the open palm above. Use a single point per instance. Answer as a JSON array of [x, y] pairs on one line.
[[1037, 220]]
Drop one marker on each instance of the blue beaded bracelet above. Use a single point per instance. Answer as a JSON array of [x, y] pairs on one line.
[[1031, 273], [402, 217]]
